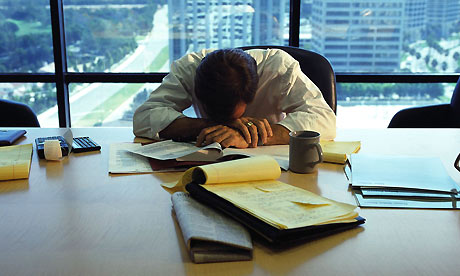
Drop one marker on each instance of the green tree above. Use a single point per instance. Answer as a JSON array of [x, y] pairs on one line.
[[456, 56], [444, 66]]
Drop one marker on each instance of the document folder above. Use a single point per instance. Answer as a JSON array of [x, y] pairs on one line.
[[8, 137], [275, 237]]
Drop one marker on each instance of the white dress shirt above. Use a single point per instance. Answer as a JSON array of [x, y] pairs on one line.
[[284, 96]]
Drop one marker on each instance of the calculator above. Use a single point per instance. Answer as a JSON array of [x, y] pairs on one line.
[[40, 143], [84, 144], [79, 144]]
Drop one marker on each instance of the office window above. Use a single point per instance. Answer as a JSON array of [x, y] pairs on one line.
[[107, 104], [228, 23], [40, 97], [386, 37], [389, 25], [25, 38], [123, 36], [144, 36], [372, 105]]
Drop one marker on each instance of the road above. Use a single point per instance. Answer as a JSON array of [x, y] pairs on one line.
[[88, 99]]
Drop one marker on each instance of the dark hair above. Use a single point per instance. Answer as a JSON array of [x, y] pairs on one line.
[[223, 79]]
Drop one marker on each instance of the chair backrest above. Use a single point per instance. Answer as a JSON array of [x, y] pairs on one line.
[[455, 101], [315, 66], [430, 116], [14, 114]]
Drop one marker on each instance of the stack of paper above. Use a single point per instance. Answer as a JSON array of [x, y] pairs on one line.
[[402, 182], [337, 151], [15, 161], [121, 160], [251, 185]]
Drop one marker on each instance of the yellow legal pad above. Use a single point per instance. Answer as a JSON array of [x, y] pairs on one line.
[[15, 161], [251, 185], [337, 151]]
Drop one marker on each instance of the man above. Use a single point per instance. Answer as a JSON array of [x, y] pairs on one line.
[[242, 99]]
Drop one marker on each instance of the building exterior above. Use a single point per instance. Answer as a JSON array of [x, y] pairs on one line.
[[360, 35], [415, 14], [443, 16], [198, 24]]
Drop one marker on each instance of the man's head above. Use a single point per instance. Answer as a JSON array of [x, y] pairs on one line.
[[225, 82]]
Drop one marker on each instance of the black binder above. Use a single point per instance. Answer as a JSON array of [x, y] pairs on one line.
[[8, 137], [278, 238]]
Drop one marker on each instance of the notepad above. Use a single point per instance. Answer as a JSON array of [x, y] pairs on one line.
[[337, 151], [15, 161], [251, 184]]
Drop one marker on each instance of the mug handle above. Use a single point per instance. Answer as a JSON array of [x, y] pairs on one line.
[[320, 154]]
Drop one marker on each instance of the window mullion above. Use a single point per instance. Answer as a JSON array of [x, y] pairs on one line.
[[60, 62]]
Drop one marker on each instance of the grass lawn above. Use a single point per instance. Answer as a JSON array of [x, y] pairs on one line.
[[103, 110], [26, 28], [159, 61]]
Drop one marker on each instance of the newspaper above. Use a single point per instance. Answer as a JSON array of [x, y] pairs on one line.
[[209, 235]]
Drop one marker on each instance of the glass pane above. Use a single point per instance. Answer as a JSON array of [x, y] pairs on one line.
[[122, 36], [384, 36], [226, 24], [106, 104], [26, 44], [372, 105], [41, 97], [145, 36]]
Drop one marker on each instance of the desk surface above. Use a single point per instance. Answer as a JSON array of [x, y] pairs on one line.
[[73, 218]]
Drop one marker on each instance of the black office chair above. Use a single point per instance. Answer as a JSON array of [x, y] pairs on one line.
[[431, 116], [315, 66], [14, 114]]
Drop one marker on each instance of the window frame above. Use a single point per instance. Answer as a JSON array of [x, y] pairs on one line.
[[62, 78]]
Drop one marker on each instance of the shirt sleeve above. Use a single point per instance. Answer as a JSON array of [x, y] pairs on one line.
[[304, 105], [166, 103]]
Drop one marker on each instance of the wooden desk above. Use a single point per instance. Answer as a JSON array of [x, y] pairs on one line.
[[73, 218]]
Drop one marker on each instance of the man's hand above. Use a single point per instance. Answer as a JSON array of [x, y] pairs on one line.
[[253, 129], [224, 135]]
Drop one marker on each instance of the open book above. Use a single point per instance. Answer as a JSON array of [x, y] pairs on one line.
[[189, 153], [277, 211], [334, 151], [209, 235]]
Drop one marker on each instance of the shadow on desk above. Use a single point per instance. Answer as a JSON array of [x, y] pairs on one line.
[[283, 261], [11, 186]]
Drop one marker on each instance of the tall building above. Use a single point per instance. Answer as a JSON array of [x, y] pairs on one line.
[[359, 35], [198, 24], [442, 16], [415, 12]]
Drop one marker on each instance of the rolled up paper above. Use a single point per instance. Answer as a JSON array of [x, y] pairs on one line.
[[52, 150]]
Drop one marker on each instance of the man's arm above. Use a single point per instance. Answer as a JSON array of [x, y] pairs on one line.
[[229, 136], [185, 129], [280, 136]]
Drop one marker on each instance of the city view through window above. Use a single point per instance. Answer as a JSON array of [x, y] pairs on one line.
[[361, 36]]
